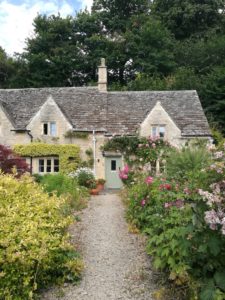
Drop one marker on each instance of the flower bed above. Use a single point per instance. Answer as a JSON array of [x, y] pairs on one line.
[[184, 218]]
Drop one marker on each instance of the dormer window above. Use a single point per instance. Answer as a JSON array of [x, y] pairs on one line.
[[158, 131], [49, 128]]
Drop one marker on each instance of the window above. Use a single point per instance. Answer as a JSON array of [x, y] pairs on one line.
[[56, 165], [113, 165], [41, 166], [154, 131], [48, 165], [49, 128], [158, 131], [53, 129], [161, 132], [45, 128]]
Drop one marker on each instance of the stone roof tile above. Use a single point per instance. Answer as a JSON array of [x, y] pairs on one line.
[[116, 112]]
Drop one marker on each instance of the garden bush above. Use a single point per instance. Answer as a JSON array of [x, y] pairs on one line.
[[67, 187], [34, 246], [85, 177], [184, 218], [11, 162]]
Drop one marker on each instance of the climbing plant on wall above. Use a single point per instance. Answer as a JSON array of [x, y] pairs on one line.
[[69, 155], [139, 150]]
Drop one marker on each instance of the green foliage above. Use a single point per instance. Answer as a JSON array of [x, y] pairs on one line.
[[34, 247], [85, 177], [190, 17], [138, 150], [76, 134], [67, 187], [184, 224], [6, 68], [151, 47], [69, 155], [189, 162]]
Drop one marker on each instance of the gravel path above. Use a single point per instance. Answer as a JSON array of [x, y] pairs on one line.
[[116, 266]]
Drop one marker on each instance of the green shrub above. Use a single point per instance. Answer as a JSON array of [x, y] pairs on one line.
[[66, 186], [188, 163], [34, 247], [85, 177]]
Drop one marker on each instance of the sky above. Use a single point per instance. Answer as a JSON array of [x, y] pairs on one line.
[[16, 18]]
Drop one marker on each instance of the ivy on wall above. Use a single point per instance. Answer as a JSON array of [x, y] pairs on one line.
[[76, 134], [69, 155]]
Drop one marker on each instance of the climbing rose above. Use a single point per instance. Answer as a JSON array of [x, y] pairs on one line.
[[126, 169]]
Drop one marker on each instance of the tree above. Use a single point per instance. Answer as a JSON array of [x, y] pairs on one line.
[[151, 47], [52, 54], [189, 17], [213, 96], [9, 160], [6, 68], [116, 14]]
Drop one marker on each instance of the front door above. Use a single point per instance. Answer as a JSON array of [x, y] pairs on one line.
[[112, 168]]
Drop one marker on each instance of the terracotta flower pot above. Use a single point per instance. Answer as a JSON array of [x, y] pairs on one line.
[[100, 187], [94, 192]]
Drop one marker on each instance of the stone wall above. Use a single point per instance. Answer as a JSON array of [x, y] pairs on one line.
[[9, 137], [158, 116]]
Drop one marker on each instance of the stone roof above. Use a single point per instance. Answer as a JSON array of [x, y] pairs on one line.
[[115, 112]]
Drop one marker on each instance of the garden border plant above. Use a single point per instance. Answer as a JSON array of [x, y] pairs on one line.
[[35, 250], [185, 225]]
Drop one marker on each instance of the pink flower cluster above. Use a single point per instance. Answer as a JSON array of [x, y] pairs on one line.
[[216, 216], [178, 203], [211, 198], [149, 180], [123, 174], [215, 219]]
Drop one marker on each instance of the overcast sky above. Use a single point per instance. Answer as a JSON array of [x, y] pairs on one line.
[[16, 17]]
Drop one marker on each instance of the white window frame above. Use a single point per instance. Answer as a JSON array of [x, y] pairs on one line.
[[157, 131], [53, 165], [49, 129]]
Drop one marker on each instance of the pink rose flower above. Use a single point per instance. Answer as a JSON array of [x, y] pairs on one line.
[[149, 180]]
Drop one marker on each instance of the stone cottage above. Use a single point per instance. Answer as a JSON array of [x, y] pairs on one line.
[[48, 114]]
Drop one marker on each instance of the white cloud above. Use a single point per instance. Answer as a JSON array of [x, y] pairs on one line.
[[16, 20], [86, 3]]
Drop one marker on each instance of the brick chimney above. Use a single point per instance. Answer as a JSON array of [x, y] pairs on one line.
[[102, 76]]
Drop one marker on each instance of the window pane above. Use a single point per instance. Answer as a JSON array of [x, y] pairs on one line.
[[154, 131], [45, 129], [53, 128], [162, 131], [49, 165], [56, 165], [113, 165], [41, 166]]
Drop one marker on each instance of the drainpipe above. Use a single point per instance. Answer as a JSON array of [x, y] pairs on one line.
[[31, 158], [94, 152]]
